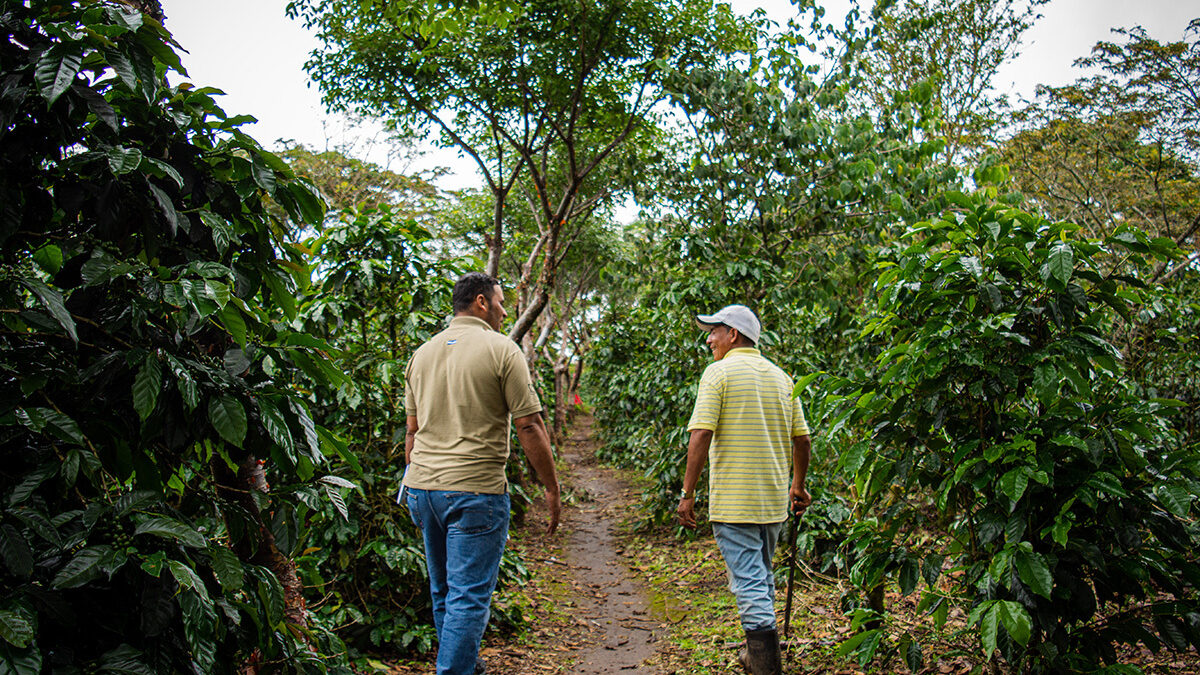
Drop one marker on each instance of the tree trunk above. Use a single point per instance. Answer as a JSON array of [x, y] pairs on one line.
[[259, 548], [495, 242]]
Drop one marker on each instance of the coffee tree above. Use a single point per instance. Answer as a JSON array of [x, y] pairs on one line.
[[1000, 413], [153, 461]]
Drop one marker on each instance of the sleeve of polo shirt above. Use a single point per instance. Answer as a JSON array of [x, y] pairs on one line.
[[517, 384], [410, 400], [707, 412], [799, 424]]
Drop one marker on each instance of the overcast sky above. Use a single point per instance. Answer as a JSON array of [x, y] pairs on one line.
[[253, 52]]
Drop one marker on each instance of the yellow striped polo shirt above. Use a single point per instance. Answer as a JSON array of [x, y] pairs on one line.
[[746, 401]]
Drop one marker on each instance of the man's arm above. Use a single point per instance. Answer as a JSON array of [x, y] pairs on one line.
[[801, 455], [531, 431], [410, 436], [697, 456]]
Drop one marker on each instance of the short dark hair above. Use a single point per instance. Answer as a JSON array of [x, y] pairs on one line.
[[470, 286]]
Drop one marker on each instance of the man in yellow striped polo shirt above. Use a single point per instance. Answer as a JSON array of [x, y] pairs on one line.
[[746, 426]]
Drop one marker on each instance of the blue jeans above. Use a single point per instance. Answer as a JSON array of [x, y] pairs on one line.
[[748, 549], [465, 533]]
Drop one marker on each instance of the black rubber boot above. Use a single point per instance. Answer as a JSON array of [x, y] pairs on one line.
[[762, 652]]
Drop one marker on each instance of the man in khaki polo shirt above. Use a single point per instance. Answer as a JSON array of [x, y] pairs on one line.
[[461, 388]]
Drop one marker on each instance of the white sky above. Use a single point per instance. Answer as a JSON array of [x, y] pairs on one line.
[[253, 52]]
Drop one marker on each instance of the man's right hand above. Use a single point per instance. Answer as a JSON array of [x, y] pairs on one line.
[[554, 504], [686, 512]]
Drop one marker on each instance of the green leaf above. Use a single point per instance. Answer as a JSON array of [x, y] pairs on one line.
[[15, 661], [228, 417], [15, 550], [53, 301], [909, 576], [123, 67], [146, 386], [231, 316], [1045, 382], [1176, 498], [125, 660], [277, 427], [1034, 572], [159, 168], [56, 70], [167, 207], [49, 258], [263, 175], [1016, 621], [311, 206], [310, 430], [270, 593], [15, 629], [338, 502], [39, 524], [305, 340], [1061, 261], [913, 657], [852, 460], [1014, 482], [989, 630], [31, 481], [124, 160], [217, 292], [169, 528], [187, 578], [227, 567], [222, 232], [236, 362], [84, 567]]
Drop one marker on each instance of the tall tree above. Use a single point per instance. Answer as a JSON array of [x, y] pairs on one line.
[[544, 93], [954, 47], [1120, 146]]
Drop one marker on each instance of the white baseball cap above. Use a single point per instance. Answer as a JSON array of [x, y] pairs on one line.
[[735, 316]]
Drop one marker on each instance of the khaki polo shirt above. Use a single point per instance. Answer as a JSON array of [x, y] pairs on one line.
[[746, 401], [462, 385]]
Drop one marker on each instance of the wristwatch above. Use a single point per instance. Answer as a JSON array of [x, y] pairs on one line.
[[684, 495]]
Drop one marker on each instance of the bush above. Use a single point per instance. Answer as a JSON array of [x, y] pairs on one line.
[[1001, 414]]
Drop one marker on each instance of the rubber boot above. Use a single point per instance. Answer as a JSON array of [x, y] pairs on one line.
[[762, 652]]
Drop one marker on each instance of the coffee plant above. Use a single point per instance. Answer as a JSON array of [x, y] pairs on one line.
[[157, 467], [1001, 414]]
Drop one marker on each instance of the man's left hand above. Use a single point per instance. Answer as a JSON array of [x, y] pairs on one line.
[[800, 499]]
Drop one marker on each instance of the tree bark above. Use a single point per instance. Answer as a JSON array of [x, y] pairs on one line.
[[239, 489]]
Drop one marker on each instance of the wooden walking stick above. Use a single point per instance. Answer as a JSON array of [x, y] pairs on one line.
[[787, 607]]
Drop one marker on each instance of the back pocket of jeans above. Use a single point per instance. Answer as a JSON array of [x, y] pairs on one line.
[[475, 514]]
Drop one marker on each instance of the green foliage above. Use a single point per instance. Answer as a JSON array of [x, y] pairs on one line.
[[379, 293], [1000, 412], [140, 276], [949, 51]]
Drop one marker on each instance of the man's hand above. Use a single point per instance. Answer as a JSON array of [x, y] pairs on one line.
[[554, 503], [800, 499], [686, 512], [532, 433]]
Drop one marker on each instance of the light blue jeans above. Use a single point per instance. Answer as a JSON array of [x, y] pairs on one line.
[[465, 533], [748, 550]]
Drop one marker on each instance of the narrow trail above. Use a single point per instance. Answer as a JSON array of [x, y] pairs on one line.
[[608, 597]]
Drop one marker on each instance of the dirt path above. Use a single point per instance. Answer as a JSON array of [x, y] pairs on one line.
[[608, 598], [586, 612]]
